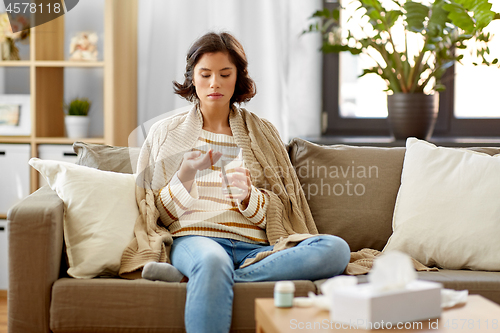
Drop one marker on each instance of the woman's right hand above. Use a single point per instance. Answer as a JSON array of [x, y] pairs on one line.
[[194, 161]]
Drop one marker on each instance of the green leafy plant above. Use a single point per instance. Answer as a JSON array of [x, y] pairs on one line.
[[442, 28], [78, 107]]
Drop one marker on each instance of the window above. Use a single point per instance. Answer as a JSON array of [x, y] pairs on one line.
[[470, 105], [476, 87]]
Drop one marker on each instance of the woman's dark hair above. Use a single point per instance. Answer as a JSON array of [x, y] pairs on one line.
[[211, 43]]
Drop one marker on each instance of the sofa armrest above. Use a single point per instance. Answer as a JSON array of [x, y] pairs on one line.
[[35, 248]]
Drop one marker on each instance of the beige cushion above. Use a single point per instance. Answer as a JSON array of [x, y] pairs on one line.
[[106, 158], [355, 206], [447, 211], [100, 213]]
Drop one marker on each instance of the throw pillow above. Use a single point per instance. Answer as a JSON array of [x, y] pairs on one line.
[[100, 213], [447, 212], [351, 190], [107, 158]]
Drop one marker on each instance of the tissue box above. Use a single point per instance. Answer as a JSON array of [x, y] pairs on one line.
[[361, 306]]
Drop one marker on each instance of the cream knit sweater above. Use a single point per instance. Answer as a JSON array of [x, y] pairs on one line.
[[205, 210], [289, 219]]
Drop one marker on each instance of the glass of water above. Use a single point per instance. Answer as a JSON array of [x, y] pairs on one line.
[[232, 158]]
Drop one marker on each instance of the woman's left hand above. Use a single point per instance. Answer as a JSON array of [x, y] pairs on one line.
[[240, 178]]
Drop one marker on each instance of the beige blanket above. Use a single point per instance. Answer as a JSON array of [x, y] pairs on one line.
[[362, 261], [289, 218]]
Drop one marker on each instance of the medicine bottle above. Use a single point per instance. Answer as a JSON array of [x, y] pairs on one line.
[[283, 294]]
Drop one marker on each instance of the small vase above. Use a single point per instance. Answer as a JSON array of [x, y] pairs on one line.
[[77, 126], [9, 50]]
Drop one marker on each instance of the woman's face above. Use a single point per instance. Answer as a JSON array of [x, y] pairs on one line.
[[214, 79]]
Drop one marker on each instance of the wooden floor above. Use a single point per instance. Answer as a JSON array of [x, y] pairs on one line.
[[3, 313]]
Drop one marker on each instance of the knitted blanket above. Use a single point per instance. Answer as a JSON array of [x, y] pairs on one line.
[[362, 262], [289, 217]]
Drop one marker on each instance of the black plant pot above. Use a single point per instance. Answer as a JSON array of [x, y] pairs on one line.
[[412, 115]]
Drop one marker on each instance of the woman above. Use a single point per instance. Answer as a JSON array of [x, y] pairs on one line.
[[264, 232]]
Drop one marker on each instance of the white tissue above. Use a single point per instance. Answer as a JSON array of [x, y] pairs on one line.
[[327, 288], [338, 282], [325, 301], [305, 302], [392, 271], [450, 297]]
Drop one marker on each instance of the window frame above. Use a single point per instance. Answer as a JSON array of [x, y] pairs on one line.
[[447, 125]]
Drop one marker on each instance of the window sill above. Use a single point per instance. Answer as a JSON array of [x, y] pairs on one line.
[[386, 141]]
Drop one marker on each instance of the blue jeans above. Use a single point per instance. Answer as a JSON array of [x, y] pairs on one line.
[[212, 266]]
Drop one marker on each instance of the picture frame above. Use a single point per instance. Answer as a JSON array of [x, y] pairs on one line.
[[83, 47], [10, 106], [9, 114]]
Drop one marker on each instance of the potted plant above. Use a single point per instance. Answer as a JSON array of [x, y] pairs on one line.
[[440, 32], [76, 119]]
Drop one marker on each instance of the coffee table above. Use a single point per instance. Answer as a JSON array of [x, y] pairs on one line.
[[476, 316]]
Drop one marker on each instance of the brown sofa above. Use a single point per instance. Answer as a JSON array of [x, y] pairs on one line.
[[355, 205]]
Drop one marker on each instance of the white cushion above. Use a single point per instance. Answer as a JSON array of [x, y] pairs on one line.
[[100, 213], [447, 210]]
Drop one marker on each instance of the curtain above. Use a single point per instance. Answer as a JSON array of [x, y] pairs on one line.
[[285, 66]]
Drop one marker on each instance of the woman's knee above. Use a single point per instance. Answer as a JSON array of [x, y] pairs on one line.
[[214, 263], [336, 250]]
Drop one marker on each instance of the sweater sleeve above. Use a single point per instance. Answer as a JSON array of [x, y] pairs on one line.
[[257, 207], [174, 200]]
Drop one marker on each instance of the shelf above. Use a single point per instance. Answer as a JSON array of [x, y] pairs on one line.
[[63, 140], [15, 63], [51, 63], [62, 63], [15, 139], [3, 216], [48, 140]]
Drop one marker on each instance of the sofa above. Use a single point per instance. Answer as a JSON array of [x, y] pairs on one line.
[[359, 208]]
